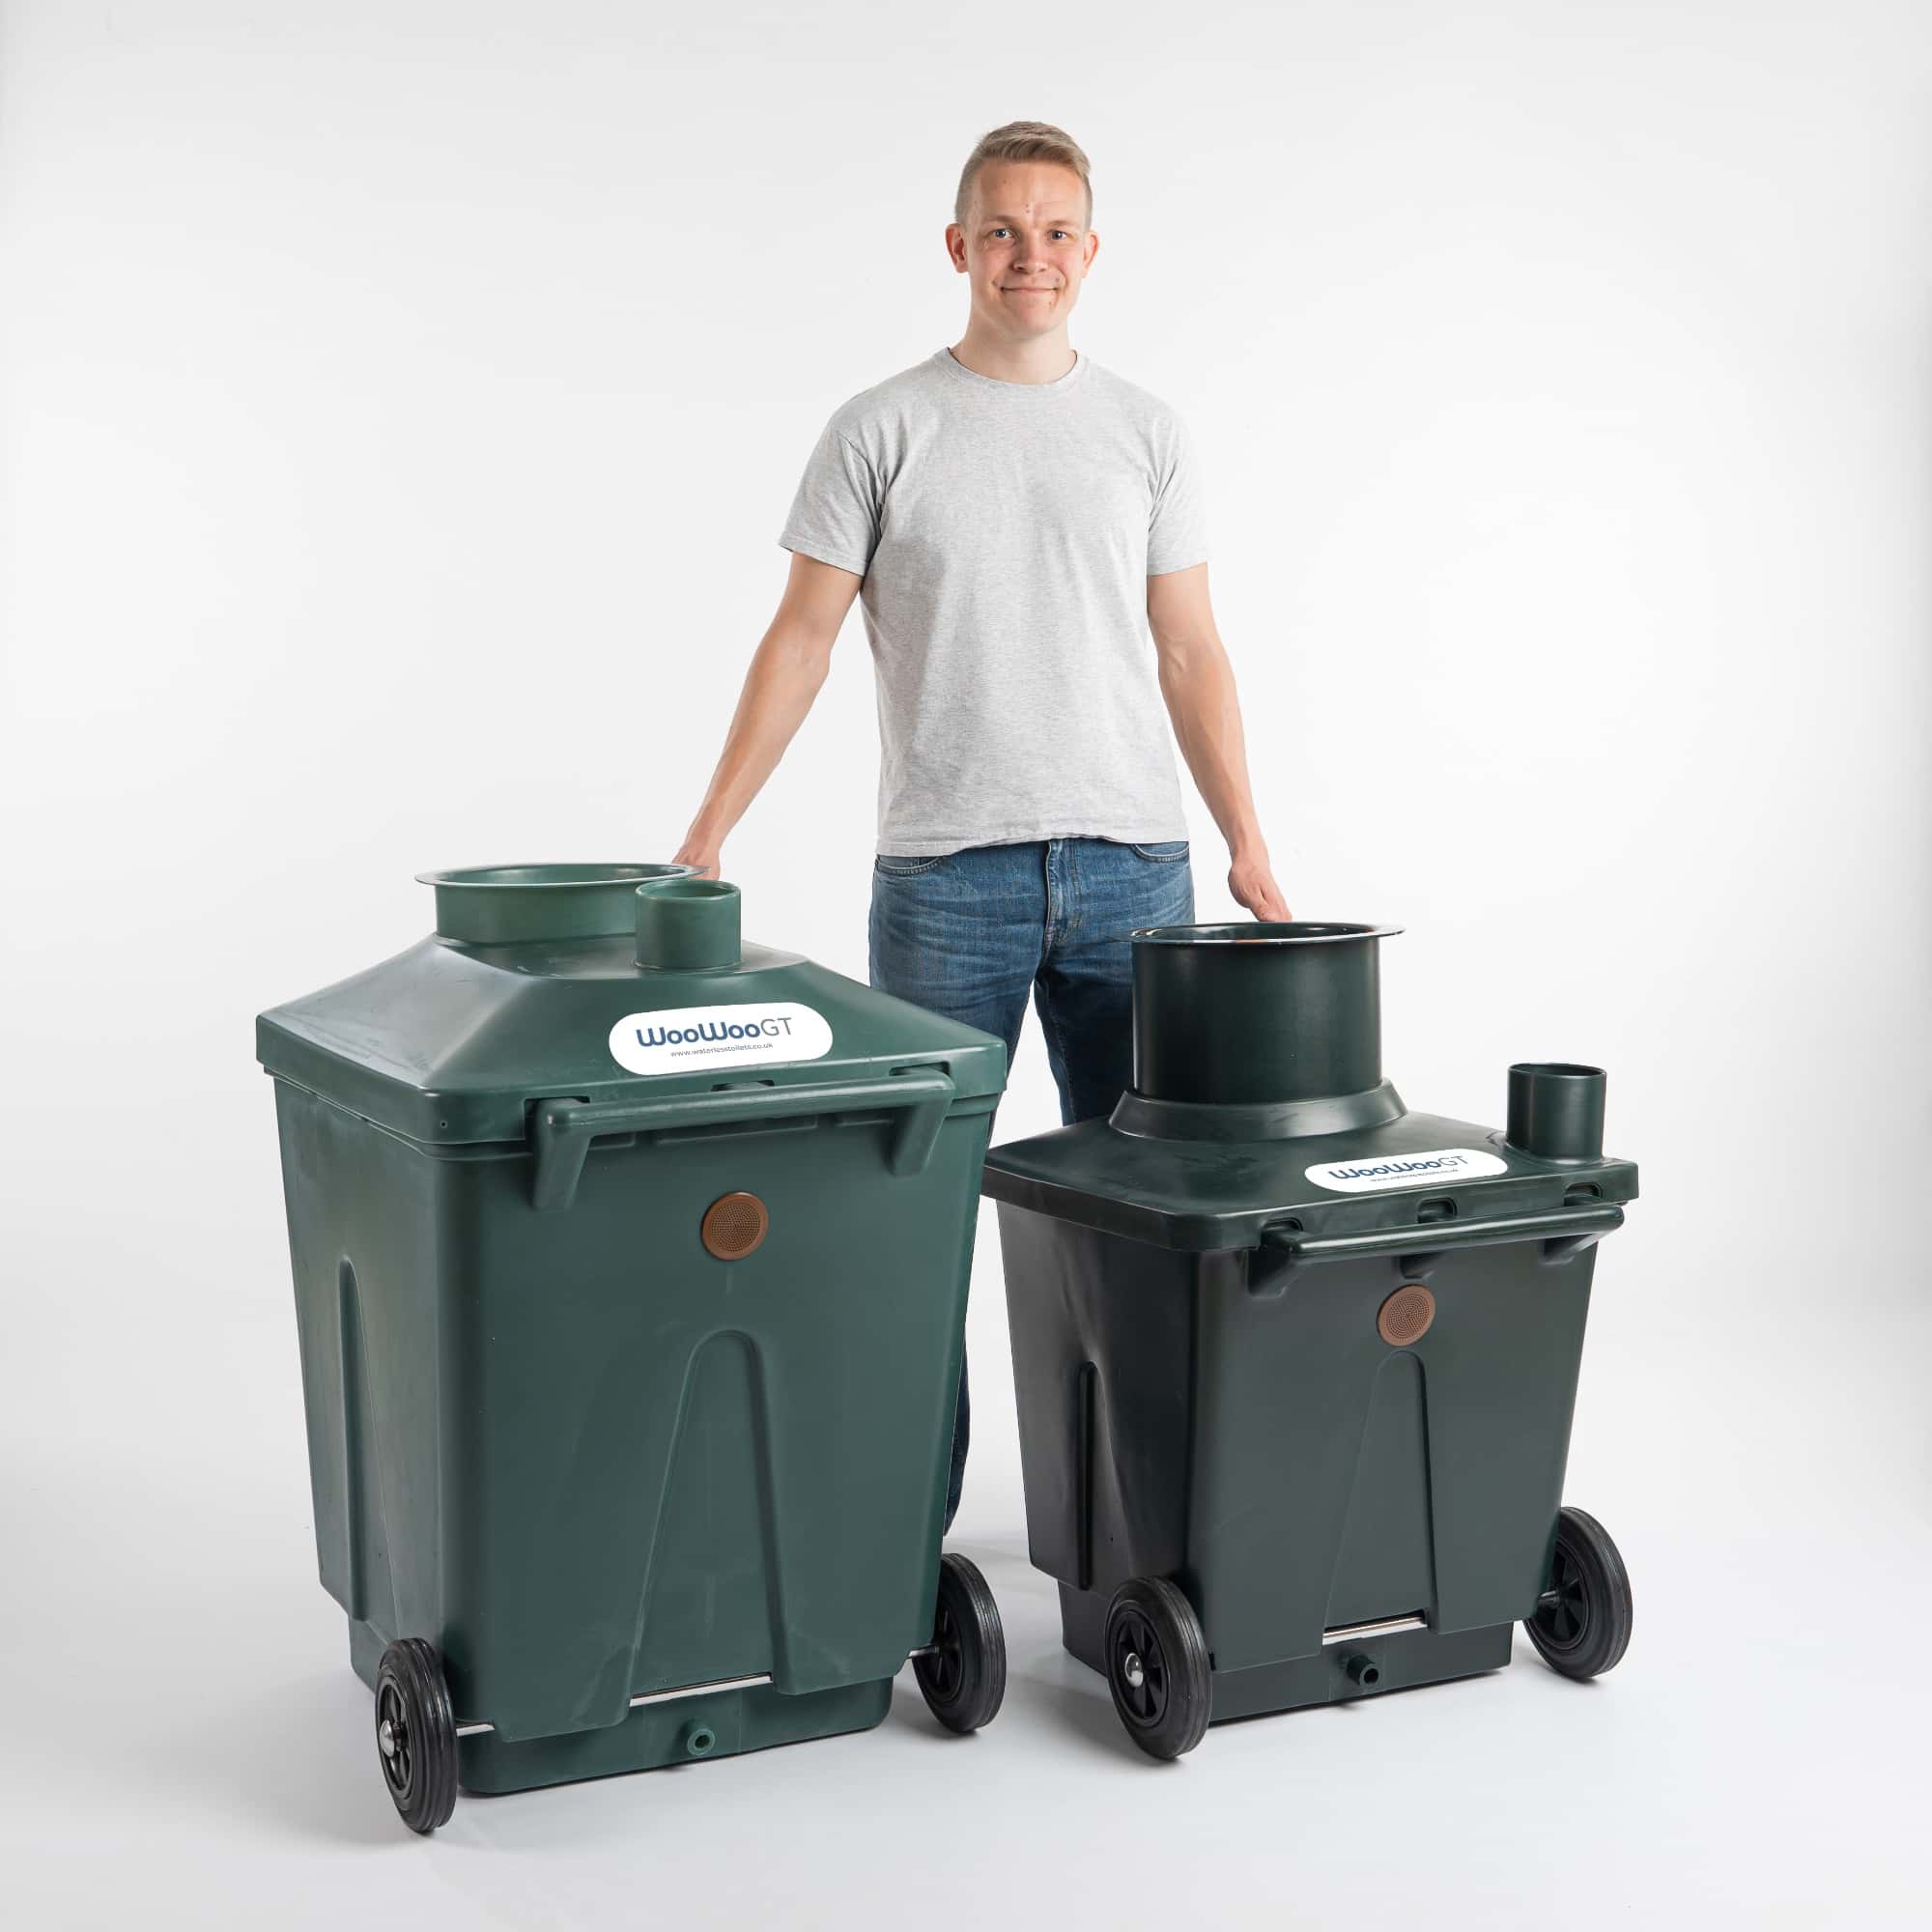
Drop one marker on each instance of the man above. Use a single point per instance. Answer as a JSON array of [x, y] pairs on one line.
[[1015, 521]]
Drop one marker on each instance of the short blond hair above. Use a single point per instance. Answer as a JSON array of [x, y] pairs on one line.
[[1024, 141]]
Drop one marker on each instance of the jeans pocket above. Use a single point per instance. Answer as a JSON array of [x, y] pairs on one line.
[[1166, 852], [890, 866]]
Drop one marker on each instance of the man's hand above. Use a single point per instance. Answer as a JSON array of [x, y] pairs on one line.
[[1251, 880], [705, 857]]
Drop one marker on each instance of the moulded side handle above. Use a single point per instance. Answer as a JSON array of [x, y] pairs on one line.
[[1563, 1232], [561, 1131]]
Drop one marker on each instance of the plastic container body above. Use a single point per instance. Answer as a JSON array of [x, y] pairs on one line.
[[1274, 1455], [558, 1425]]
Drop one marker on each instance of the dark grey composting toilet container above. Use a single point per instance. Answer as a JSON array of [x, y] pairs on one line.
[[1296, 1366]]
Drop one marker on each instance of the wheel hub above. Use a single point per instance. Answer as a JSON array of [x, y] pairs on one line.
[[392, 1739], [1563, 1613], [946, 1667], [1140, 1668]]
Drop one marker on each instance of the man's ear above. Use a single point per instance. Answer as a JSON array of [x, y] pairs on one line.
[[956, 245]]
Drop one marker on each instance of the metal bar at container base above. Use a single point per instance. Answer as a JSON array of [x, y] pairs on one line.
[[1387, 1626], [476, 1727], [700, 1689]]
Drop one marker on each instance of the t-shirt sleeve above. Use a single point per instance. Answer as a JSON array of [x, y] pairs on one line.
[[1177, 524], [835, 516]]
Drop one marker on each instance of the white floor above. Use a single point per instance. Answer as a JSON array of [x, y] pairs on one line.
[[185, 1742]]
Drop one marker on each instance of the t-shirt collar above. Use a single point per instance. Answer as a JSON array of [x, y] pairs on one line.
[[1058, 385]]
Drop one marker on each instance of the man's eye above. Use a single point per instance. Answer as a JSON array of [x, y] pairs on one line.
[[1063, 233]]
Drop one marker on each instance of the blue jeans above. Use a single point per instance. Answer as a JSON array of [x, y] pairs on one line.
[[972, 934]]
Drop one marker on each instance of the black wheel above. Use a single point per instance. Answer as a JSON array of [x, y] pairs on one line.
[[416, 1734], [1582, 1623], [1157, 1667], [963, 1676]]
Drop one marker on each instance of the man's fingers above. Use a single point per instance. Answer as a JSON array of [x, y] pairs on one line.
[[1260, 896]]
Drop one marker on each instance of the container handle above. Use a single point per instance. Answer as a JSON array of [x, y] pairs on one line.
[[1564, 1232], [561, 1131]]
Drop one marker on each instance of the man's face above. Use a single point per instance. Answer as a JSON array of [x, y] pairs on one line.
[[1025, 247]]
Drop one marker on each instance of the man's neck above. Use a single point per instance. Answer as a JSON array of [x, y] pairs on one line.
[[1040, 358]]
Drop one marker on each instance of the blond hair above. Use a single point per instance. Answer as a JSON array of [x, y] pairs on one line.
[[1024, 141]]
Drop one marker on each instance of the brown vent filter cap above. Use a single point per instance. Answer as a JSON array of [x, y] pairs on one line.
[[733, 1225], [1405, 1316]]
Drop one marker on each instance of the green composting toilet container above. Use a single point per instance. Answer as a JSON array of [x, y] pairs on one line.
[[631, 1265], [1296, 1366]]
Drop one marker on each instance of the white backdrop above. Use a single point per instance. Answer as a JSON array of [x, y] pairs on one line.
[[400, 405]]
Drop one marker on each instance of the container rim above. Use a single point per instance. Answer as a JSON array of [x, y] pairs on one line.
[[681, 885], [541, 877], [1260, 932]]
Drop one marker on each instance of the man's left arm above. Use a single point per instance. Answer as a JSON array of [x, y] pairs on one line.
[[1197, 685]]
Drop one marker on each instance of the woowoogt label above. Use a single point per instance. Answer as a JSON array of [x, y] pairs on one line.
[[1438, 1167], [683, 1040]]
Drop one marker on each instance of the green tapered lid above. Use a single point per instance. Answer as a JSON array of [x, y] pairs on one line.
[[531, 989]]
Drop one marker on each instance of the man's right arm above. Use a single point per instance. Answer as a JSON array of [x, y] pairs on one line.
[[788, 670]]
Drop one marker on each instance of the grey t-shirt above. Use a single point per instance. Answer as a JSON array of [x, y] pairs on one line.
[[1005, 532]]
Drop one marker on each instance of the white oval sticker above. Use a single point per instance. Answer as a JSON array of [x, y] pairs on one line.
[[682, 1039], [1406, 1170]]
